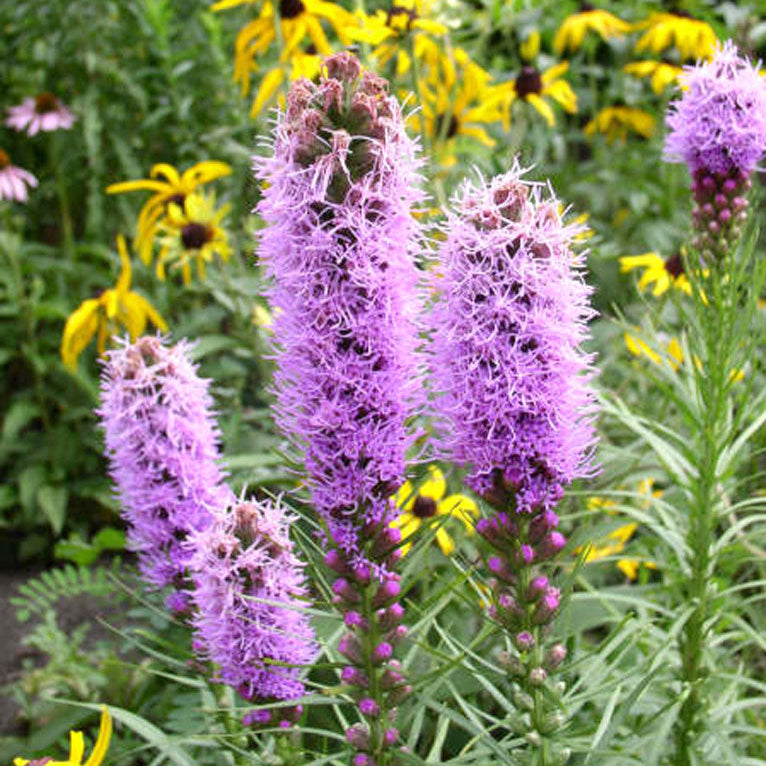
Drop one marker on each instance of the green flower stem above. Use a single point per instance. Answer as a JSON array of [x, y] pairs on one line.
[[61, 191]]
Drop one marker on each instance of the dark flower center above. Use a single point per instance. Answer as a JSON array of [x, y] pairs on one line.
[[451, 129], [397, 10], [194, 235], [5, 160], [529, 81], [585, 7], [176, 199], [424, 507], [675, 265], [289, 9], [46, 102]]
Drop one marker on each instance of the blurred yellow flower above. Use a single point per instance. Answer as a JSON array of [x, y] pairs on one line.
[[427, 501], [192, 232], [168, 186], [300, 65], [534, 87], [663, 273], [639, 347], [616, 121], [77, 747], [530, 47], [661, 73], [571, 33], [692, 38], [114, 308], [288, 22]]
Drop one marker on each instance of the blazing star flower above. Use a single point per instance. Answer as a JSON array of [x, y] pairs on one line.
[[43, 113], [427, 501], [249, 596], [512, 382], [617, 121], [664, 273], [660, 73], [191, 232], [572, 32], [534, 87], [163, 447], [77, 747], [14, 180], [104, 316], [692, 38], [169, 187]]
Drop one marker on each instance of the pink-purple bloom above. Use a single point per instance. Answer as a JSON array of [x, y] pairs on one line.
[[511, 379], [41, 114], [339, 246], [719, 123], [250, 600], [163, 447], [14, 180]]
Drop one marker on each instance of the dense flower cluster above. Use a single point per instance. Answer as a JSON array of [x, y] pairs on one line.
[[248, 597], [508, 327], [162, 442], [338, 246]]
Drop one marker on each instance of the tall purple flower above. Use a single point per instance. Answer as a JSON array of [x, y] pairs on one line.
[[511, 380], [718, 128], [249, 599], [163, 448], [339, 246]]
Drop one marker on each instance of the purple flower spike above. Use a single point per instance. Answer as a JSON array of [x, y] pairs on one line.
[[163, 448], [249, 597], [516, 403]]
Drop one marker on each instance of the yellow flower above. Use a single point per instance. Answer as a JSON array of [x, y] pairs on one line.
[[77, 746], [572, 32], [298, 19], [388, 30], [428, 500], [664, 273], [115, 308], [458, 97], [533, 86], [616, 121], [192, 232], [168, 186], [639, 347], [530, 47], [661, 73], [300, 65], [692, 38]]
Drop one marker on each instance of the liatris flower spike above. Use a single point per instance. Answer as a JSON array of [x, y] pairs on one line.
[[339, 246], [512, 390], [14, 181], [249, 597], [163, 448], [718, 128], [43, 113]]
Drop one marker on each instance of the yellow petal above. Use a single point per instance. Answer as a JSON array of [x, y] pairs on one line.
[[123, 283], [102, 741], [542, 108], [434, 486], [79, 331], [446, 543], [269, 86], [76, 748], [461, 507], [142, 185], [166, 170]]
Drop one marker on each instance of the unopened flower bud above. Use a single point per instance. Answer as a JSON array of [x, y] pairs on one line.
[[368, 707], [382, 652], [524, 641], [350, 648], [344, 590], [555, 656], [537, 676], [358, 736], [355, 620], [354, 676], [387, 592]]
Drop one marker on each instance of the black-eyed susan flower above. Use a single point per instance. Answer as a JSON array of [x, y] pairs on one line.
[[572, 32], [289, 22], [458, 98], [192, 233], [427, 501], [77, 747], [692, 38], [168, 186], [661, 74], [107, 314], [535, 87], [663, 273], [388, 30], [617, 121]]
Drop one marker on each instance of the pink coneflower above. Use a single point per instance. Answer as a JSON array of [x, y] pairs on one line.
[[13, 180], [41, 113]]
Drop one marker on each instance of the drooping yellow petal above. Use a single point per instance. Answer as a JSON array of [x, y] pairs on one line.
[[461, 507], [79, 331], [446, 543], [123, 283], [167, 171], [102, 741], [269, 86], [542, 108], [434, 486], [76, 748], [140, 185]]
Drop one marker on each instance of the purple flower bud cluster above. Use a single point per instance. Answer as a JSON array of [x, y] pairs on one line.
[[508, 328], [250, 598], [163, 448], [339, 246]]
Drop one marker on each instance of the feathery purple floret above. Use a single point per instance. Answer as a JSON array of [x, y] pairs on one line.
[[511, 380], [249, 597], [163, 448], [719, 123], [339, 246]]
